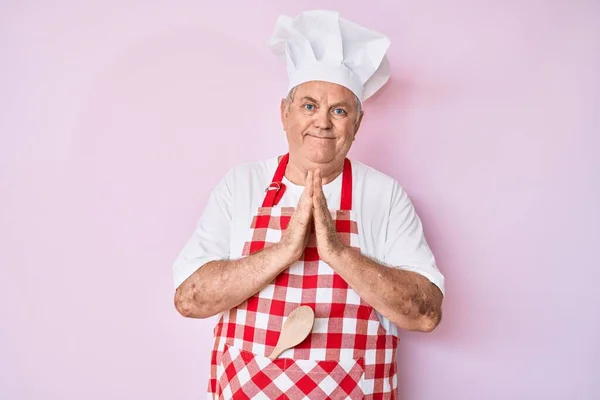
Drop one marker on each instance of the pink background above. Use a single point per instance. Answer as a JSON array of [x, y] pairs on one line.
[[118, 117]]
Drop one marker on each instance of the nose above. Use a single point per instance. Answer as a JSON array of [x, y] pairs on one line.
[[322, 120]]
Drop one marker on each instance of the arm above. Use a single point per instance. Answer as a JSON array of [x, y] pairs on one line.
[[408, 299], [222, 285]]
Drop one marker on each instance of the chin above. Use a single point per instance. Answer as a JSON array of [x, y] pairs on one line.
[[320, 156]]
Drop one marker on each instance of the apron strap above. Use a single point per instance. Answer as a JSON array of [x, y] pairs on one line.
[[346, 201], [276, 189]]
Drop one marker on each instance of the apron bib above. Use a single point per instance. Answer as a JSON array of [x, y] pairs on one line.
[[347, 355]]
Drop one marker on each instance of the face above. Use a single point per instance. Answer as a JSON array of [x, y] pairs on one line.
[[321, 122]]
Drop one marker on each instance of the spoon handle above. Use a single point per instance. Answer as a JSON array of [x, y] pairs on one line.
[[276, 352]]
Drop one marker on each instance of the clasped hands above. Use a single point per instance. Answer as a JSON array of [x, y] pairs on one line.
[[312, 206]]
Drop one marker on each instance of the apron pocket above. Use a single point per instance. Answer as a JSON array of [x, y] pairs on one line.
[[242, 374]]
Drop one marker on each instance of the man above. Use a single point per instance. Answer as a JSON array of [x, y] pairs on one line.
[[311, 228]]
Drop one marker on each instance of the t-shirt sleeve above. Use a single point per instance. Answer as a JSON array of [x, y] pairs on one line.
[[210, 239], [405, 245]]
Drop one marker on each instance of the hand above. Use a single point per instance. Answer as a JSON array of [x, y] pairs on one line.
[[328, 243], [294, 239]]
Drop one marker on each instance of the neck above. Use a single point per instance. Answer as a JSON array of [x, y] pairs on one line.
[[297, 169]]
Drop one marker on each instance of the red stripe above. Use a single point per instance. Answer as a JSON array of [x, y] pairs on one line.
[[343, 226], [360, 342], [277, 308], [261, 380], [310, 281], [284, 221], [256, 246], [346, 203], [311, 254], [271, 337], [306, 384], [248, 333], [269, 200], [337, 310], [334, 340], [262, 221]]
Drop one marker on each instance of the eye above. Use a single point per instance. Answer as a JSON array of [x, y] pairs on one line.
[[309, 107], [339, 111]]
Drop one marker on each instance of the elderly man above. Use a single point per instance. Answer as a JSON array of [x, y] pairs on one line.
[[311, 228]]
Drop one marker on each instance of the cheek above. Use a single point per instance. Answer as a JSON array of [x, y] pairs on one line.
[[298, 126], [294, 132], [346, 132]]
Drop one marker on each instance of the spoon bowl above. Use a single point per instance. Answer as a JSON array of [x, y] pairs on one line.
[[296, 328]]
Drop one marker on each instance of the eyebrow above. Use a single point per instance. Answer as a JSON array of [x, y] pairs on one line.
[[341, 103], [338, 104], [308, 98]]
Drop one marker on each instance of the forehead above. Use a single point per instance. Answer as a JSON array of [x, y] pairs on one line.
[[324, 92]]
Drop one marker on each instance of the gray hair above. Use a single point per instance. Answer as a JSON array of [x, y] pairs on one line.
[[290, 99]]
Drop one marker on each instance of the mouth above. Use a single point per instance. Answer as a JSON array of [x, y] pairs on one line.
[[319, 137]]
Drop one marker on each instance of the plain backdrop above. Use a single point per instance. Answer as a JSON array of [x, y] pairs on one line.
[[117, 118]]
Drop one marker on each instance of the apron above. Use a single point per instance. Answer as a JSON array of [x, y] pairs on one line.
[[347, 355]]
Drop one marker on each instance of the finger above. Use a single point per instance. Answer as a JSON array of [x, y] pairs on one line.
[[308, 185], [317, 187], [306, 191], [299, 222], [319, 201], [317, 182], [319, 211], [305, 203], [307, 194]]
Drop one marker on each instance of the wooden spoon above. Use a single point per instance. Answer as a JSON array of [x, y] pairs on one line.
[[295, 329]]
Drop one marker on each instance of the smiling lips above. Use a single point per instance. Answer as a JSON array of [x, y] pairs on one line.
[[319, 137]]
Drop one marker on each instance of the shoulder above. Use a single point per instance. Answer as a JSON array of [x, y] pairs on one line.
[[246, 177], [377, 192], [254, 167], [249, 171], [370, 178]]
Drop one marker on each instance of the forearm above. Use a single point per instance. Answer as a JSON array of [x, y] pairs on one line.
[[406, 298], [222, 285]]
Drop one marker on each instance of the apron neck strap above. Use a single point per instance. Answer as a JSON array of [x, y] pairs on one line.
[[276, 189]]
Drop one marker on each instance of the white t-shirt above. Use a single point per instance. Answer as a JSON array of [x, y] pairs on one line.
[[389, 229]]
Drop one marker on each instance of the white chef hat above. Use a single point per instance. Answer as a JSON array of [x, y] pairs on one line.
[[321, 46]]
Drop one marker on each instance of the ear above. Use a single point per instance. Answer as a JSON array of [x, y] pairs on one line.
[[283, 110], [357, 124]]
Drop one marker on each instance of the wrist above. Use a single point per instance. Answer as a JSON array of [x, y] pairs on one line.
[[284, 255], [337, 255]]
